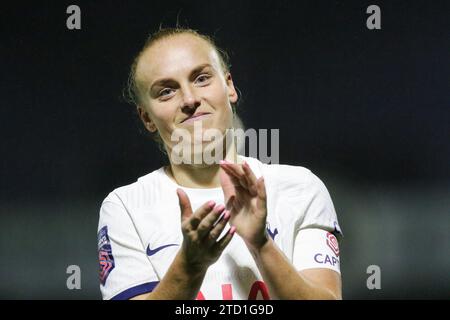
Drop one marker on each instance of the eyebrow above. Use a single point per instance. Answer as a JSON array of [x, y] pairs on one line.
[[165, 81]]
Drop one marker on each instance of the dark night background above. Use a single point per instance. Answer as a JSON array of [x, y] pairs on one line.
[[366, 110]]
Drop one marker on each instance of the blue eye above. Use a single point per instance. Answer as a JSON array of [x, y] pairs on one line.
[[165, 92], [202, 78]]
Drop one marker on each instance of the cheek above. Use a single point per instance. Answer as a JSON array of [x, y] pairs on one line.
[[217, 96], [225, 112], [162, 117], [220, 93]]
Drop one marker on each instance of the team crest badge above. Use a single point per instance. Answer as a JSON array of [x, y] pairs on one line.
[[333, 243], [105, 256]]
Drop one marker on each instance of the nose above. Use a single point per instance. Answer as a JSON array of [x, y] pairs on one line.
[[190, 101]]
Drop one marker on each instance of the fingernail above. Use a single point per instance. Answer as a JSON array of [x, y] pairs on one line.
[[232, 230], [219, 207], [227, 214], [211, 204]]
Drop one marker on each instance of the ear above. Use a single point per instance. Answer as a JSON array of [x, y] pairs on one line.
[[232, 93], [146, 120]]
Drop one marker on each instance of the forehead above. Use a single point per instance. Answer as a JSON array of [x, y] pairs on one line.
[[174, 56]]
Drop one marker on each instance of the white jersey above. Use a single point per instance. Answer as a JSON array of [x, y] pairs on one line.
[[139, 233]]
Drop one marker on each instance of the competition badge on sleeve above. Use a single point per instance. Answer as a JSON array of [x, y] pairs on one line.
[[333, 243], [105, 256]]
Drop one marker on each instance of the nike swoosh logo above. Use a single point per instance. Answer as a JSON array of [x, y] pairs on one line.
[[151, 252]]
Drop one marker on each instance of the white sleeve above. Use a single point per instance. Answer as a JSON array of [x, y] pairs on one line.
[[320, 212], [316, 248], [125, 270], [315, 244]]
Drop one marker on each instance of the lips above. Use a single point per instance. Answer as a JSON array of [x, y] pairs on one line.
[[196, 115]]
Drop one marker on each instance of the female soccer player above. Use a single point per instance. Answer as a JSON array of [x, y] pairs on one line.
[[232, 229]]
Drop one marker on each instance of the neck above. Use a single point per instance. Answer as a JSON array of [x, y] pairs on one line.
[[204, 176]]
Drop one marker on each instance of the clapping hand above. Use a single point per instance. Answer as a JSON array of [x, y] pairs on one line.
[[245, 197]]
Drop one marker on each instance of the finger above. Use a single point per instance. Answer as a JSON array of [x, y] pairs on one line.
[[226, 183], [200, 214], [239, 172], [220, 245], [262, 196], [236, 167], [207, 223], [237, 179], [251, 179], [229, 184], [230, 189], [218, 227], [185, 205]]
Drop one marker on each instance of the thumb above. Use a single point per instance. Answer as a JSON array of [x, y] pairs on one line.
[[185, 204]]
